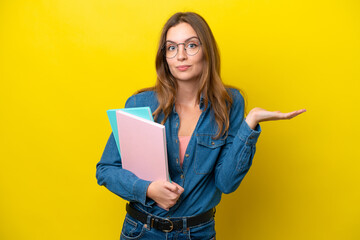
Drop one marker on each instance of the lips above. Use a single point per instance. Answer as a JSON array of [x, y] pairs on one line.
[[183, 67]]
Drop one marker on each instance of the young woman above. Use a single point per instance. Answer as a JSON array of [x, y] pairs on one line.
[[210, 144]]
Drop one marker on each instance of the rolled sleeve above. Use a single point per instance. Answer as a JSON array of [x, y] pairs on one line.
[[248, 135], [139, 189]]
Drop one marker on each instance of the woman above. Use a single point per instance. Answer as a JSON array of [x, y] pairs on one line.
[[210, 144]]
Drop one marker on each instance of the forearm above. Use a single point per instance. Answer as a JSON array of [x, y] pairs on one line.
[[109, 173], [123, 183], [236, 159], [251, 120]]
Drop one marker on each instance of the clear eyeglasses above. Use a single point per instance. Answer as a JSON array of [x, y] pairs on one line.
[[191, 46]]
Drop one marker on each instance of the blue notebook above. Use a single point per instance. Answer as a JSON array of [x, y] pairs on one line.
[[143, 112]]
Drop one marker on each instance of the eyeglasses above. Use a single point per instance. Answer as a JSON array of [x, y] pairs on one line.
[[191, 47]]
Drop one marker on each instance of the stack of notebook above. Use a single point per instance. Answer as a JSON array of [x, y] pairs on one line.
[[141, 142]]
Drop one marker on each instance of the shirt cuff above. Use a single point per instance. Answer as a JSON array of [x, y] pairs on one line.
[[248, 135], [139, 189]]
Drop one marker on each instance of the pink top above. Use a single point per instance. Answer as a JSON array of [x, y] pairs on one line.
[[183, 143]]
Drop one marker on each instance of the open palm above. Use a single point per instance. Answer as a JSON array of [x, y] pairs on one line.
[[263, 115], [257, 115]]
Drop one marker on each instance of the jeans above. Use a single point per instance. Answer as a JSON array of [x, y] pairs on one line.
[[134, 229]]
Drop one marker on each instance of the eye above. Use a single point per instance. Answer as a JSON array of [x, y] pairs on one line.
[[192, 44], [170, 48]]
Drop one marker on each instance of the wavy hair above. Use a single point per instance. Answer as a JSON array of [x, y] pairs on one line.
[[211, 85]]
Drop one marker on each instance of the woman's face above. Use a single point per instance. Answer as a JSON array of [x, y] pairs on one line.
[[183, 66]]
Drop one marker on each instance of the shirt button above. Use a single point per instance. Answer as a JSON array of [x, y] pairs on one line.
[[212, 143], [177, 161], [176, 141], [186, 155], [182, 176]]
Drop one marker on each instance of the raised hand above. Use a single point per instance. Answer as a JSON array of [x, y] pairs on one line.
[[164, 193], [257, 115]]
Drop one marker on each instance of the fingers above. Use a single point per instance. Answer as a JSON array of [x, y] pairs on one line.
[[295, 113], [175, 190], [301, 111], [172, 196], [174, 187], [262, 115], [180, 189], [164, 193], [289, 115], [171, 186]]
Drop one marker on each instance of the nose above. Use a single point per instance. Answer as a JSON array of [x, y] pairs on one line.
[[181, 52]]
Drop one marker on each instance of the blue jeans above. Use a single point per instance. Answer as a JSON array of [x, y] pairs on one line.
[[134, 229]]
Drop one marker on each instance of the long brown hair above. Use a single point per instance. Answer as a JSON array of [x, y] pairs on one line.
[[211, 85]]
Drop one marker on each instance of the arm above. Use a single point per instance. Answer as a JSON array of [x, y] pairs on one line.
[[109, 173], [236, 156]]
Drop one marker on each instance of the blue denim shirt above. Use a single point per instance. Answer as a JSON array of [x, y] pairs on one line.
[[211, 166]]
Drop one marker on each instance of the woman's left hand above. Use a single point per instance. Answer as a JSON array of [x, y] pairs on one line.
[[257, 115]]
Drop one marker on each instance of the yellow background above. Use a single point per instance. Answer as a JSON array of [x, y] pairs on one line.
[[64, 63]]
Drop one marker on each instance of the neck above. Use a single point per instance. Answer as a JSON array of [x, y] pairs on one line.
[[187, 93]]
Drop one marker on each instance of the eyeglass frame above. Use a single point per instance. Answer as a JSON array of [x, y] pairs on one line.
[[177, 47]]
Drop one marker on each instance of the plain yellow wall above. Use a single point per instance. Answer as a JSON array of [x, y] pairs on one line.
[[64, 63]]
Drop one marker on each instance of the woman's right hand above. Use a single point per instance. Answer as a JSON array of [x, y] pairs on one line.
[[164, 193]]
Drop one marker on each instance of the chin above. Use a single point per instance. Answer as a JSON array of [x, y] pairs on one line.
[[184, 77], [187, 79]]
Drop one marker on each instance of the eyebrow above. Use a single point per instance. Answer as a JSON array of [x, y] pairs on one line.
[[184, 41]]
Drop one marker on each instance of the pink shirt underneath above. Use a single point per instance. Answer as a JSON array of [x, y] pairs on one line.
[[183, 143]]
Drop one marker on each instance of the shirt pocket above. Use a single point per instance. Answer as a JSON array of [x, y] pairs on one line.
[[207, 152]]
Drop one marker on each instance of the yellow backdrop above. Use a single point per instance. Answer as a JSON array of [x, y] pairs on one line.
[[64, 63]]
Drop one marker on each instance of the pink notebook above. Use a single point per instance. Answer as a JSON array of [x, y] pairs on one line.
[[142, 147]]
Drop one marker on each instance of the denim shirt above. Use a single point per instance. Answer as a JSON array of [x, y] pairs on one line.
[[211, 166]]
